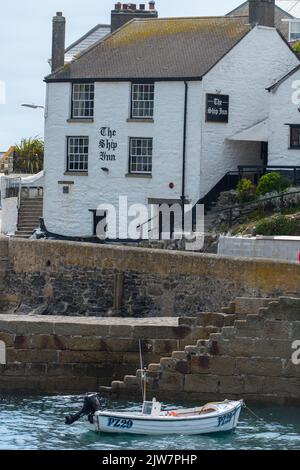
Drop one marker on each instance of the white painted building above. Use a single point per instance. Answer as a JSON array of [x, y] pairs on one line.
[[153, 111], [284, 120]]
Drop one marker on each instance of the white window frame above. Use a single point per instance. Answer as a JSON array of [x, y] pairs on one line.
[[140, 155], [83, 100], [142, 100], [77, 154]]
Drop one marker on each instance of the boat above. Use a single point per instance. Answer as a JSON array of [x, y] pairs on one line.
[[153, 420]]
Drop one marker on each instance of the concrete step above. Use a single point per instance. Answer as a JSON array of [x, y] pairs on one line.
[[22, 234], [250, 305], [27, 225], [28, 217]]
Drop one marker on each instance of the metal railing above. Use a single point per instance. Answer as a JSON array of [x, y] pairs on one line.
[[291, 171], [248, 208]]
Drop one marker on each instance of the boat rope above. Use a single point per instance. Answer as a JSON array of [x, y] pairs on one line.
[[252, 412], [262, 419]]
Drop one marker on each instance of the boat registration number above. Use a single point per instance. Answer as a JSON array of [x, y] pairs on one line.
[[222, 420], [120, 423]]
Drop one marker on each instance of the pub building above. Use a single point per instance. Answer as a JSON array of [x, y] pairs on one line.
[[163, 111]]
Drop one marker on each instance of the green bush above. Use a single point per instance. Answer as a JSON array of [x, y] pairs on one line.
[[272, 182], [245, 190], [278, 225], [296, 47]]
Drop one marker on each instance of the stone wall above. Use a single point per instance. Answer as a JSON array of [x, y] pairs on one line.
[[58, 354], [100, 280], [250, 359]]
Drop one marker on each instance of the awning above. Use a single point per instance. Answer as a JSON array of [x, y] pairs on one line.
[[259, 132]]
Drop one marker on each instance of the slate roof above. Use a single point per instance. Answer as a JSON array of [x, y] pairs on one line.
[[284, 78], [157, 48], [291, 8], [89, 39]]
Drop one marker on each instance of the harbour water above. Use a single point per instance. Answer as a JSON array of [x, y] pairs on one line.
[[31, 423]]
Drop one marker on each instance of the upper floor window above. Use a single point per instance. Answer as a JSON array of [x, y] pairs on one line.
[[78, 154], [142, 100], [83, 95], [140, 158], [295, 136], [294, 30]]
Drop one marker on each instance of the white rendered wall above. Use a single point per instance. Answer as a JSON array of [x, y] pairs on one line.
[[9, 215], [258, 60], [282, 112], [244, 74], [283, 248], [68, 214]]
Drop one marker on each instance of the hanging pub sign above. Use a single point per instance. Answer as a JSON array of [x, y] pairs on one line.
[[217, 108]]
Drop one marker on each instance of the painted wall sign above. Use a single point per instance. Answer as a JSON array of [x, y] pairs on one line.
[[107, 144], [217, 108]]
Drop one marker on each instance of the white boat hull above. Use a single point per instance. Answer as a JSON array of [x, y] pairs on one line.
[[221, 420]]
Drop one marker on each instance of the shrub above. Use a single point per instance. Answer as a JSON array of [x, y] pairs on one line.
[[245, 190], [296, 47], [272, 182], [278, 225]]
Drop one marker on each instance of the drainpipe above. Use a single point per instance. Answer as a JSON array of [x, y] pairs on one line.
[[184, 150]]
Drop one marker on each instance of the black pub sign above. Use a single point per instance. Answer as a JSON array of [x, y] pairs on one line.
[[217, 108]]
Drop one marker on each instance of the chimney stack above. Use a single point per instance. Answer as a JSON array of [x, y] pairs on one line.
[[125, 12], [262, 12], [58, 41]]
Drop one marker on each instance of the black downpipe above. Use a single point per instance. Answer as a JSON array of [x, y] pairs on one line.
[[184, 151]]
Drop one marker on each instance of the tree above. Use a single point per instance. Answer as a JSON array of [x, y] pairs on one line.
[[29, 155]]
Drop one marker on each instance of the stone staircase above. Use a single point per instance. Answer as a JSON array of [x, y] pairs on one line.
[[248, 357], [31, 210]]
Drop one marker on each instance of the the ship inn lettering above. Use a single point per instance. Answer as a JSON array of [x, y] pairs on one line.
[[217, 108], [107, 144]]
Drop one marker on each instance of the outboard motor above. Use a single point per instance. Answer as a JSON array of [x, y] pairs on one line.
[[90, 406]]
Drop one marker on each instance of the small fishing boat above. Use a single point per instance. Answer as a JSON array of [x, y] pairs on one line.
[[152, 420]]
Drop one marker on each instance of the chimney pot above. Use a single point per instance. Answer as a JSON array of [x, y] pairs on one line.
[[59, 13], [128, 11], [152, 5]]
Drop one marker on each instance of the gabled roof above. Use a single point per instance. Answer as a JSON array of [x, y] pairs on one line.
[[284, 78], [158, 49], [286, 6], [89, 39]]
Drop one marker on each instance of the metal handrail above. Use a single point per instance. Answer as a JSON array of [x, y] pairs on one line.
[[254, 203]]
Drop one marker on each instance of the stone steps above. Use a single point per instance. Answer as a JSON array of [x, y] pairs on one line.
[[31, 211], [257, 340]]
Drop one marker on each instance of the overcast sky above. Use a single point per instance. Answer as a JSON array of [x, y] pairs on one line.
[[25, 46]]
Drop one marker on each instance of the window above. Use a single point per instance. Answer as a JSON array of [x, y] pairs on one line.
[[294, 30], [142, 101], [140, 158], [83, 100], [78, 150], [295, 136]]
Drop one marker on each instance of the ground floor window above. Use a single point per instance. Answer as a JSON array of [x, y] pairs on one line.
[[140, 155], [295, 136], [78, 153]]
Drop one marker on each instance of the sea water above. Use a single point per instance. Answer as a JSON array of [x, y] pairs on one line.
[[38, 423]]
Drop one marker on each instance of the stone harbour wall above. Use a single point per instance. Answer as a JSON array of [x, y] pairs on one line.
[[67, 354], [252, 358], [68, 278]]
